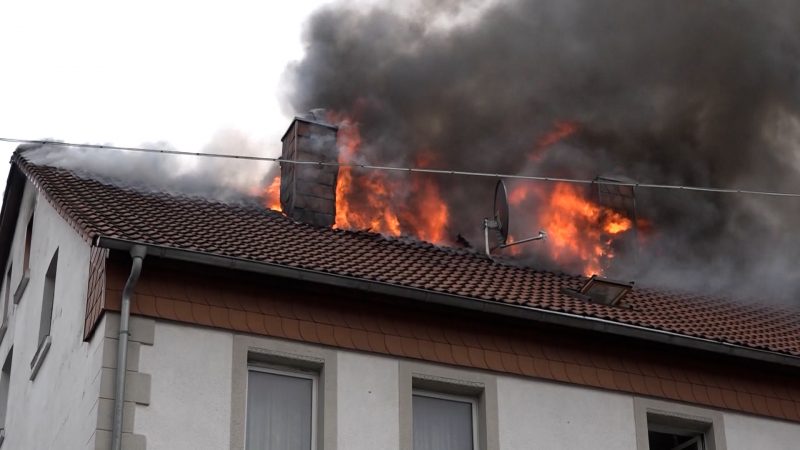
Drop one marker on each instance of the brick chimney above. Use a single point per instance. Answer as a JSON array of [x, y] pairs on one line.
[[308, 191]]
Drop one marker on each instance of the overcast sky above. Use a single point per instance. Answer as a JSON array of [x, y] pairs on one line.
[[146, 71]]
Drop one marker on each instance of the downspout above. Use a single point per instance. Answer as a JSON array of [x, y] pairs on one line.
[[138, 253]]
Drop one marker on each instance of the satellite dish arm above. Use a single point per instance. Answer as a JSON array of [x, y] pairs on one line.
[[541, 236]]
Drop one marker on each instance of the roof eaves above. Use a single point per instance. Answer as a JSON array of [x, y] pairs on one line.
[[12, 199], [461, 302], [23, 166]]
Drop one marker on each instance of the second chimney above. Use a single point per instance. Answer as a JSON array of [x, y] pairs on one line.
[[308, 191]]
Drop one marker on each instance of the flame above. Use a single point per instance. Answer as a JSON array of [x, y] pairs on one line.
[[272, 194], [580, 232], [432, 216], [393, 205], [561, 130]]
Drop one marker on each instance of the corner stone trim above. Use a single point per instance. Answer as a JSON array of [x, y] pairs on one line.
[[137, 385]]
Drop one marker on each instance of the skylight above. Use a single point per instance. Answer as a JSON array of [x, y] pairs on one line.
[[606, 291]]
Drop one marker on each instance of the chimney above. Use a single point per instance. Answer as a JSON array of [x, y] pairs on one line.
[[308, 191]]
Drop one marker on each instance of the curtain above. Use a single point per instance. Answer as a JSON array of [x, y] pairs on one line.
[[442, 424], [279, 409]]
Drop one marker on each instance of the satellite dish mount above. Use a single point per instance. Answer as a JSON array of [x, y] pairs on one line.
[[499, 224]]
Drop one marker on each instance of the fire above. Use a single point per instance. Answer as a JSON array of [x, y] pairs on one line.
[[581, 233], [561, 130], [430, 220], [579, 230], [393, 205], [272, 194]]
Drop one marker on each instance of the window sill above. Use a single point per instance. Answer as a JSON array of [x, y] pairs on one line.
[[38, 358], [23, 283]]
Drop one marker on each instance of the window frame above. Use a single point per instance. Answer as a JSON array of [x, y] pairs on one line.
[[48, 300], [26, 261], [473, 402], [279, 353], [667, 416], [287, 372], [478, 385], [6, 301], [48, 303]]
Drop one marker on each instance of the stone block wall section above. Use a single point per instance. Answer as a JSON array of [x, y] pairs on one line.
[[137, 388], [356, 321]]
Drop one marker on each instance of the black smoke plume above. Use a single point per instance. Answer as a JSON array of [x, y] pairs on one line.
[[686, 92]]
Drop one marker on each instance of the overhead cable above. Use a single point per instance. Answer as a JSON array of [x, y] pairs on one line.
[[409, 169]]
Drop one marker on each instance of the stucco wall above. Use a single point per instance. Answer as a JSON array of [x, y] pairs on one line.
[[544, 415], [368, 403], [748, 433], [191, 397], [190, 393], [55, 410]]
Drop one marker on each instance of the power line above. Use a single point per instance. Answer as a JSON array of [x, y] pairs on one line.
[[409, 169]]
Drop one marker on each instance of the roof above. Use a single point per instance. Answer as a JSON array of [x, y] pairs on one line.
[[250, 232]]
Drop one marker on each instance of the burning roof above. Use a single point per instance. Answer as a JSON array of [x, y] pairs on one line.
[[576, 90], [251, 233]]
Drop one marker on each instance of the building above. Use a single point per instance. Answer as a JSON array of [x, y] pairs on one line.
[[248, 325]]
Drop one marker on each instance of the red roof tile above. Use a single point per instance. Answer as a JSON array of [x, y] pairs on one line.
[[254, 233]]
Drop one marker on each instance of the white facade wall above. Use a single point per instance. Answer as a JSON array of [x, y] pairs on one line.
[[191, 366], [55, 410], [367, 402], [190, 393], [544, 415], [748, 433]]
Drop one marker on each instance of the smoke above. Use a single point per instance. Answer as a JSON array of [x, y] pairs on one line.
[[685, 92], [225, 180]]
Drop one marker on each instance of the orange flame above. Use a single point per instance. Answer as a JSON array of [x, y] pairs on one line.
[[386, 204], [272, 194], [579, 230], [561, 130], [431, 217]]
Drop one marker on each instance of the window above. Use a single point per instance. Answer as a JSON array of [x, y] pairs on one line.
[[669, 433], [5, 382], [6, 303], [26, 263], [47, 299], [46, 318], [444, 422], [281, 409], [7, 296], [662, 425]]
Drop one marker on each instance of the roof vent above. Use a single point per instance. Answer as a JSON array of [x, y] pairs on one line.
[[606, 291]]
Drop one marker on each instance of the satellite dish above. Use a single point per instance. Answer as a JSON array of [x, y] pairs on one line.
[[500, 222], [501, 214]]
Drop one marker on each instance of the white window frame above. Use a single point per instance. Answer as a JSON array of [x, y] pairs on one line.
[[287, 372], [473, 402], [695, 420]]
